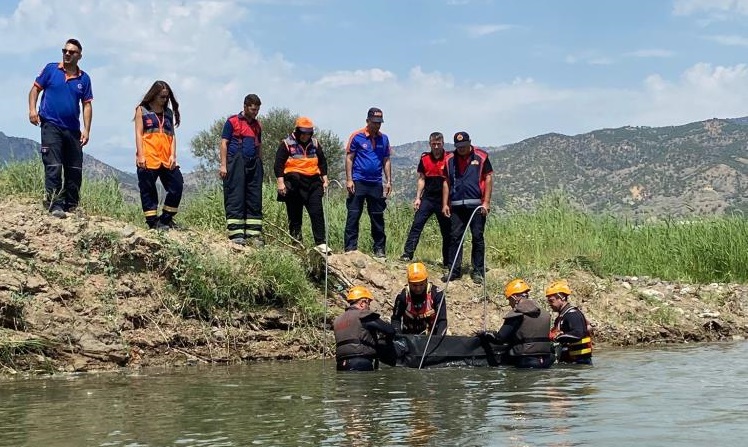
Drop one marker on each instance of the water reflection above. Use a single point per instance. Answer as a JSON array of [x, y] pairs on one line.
[[668, 396]]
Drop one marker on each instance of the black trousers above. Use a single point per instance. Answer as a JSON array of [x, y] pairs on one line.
[[460, 216], [62, 156], [305, 192], [373, 195], [429, 207], [242, 196], [173, 183], [356, 364]]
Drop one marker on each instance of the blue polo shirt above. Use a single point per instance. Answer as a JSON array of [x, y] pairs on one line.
[[369, 154], [63, 95]]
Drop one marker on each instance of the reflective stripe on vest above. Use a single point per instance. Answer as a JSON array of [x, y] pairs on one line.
[[466, 188], [301, 160]]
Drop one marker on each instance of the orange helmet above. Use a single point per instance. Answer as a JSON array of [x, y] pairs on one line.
[[558, 287], [417, 272], [304, 124], [358, 293], [514, 287]]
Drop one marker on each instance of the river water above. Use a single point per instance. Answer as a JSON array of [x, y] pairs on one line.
[[691, 395]]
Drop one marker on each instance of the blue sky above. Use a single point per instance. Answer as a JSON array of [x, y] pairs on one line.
[[502, 70]]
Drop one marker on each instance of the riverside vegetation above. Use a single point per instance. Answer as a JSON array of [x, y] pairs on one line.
[[97, 290]]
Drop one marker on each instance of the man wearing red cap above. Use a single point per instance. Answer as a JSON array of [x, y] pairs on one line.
[[469, 183], [301, 173]]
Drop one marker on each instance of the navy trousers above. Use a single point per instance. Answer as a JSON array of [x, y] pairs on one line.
[[62, 156], [373, 195], [429, 207], [173, 183]]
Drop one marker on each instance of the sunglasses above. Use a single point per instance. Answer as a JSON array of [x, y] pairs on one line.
[[64, 51]]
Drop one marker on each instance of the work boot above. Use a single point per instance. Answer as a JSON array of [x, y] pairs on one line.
[[239, 241], [477, 277], [58, 212], [257, 242], [379, 253], [160, 226], [406, 258], [447, 278]]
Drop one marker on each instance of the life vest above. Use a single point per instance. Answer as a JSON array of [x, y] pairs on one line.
[[158, 137], [246, 137], [419, 317], [531, 337], [300, 159], [351, 338], [582, 348], [466, 188]]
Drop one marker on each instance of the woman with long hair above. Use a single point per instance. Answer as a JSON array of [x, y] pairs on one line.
[[156, 117]]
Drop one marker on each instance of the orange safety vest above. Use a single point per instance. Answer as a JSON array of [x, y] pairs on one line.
[[420, 317], [301, 160]]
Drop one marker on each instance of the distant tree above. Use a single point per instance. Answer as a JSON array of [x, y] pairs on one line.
[[277, 124], [205, 147]]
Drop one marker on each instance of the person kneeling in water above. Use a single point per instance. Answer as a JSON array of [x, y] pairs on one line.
[[525, 329], [420, 307], [357, 331]]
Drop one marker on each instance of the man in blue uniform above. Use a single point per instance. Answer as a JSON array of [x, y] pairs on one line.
[[367, 156], [65, 87]]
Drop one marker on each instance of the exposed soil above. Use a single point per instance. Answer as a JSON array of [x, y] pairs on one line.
[[70, 302]]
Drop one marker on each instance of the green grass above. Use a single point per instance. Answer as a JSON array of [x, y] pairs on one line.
[[555, 235]]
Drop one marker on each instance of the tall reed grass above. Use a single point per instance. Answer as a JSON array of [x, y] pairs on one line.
[[555, 235]]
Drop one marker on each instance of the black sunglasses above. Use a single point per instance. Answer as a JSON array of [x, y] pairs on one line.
[[64, 51]]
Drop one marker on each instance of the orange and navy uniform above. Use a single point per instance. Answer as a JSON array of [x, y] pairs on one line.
[[293, 157], [418, 316], [158, 137]]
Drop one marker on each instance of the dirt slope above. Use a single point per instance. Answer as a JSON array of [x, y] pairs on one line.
[[66, 306]]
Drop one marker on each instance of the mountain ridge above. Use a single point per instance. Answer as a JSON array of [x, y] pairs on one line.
[[694, 168]]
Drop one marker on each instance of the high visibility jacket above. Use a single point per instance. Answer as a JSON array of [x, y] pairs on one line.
[[158, 137], [302, 160], [351, 338], [419, 317], [469, 187], [572, 349]]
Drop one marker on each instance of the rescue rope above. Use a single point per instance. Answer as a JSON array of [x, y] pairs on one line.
[[327, 266], [449, 278]]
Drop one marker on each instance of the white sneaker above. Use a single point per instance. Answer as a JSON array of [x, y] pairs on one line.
[[324, 249]]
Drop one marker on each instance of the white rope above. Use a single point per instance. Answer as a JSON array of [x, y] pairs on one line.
[[449, 278]]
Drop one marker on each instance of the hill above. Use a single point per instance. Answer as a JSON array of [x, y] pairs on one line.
[[19, 149], [696, 168]]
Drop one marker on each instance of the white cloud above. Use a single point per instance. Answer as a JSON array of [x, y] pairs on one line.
[[650, 52], [719, 7], [476, 31], [195, 47], [729, 40], [590, 58], [357, 77]]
